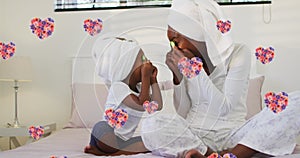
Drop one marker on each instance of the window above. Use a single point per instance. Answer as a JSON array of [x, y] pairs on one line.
[[77, 5]]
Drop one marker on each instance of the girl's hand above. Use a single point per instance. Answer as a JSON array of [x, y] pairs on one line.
[[153, 78], [147, 69]]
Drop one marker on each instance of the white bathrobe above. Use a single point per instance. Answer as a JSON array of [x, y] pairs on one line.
[[211, 111]]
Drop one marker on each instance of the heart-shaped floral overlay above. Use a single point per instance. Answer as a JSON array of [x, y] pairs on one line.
[[190, 67], [7, 50], [276, 102], [42, 28], [52, 156], [227, 155], [93, 27], [150, 107], [264, 55], [224, 26], [116, 118], [36, 132]]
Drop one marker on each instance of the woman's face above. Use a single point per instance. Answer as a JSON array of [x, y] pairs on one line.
[[183, 42]]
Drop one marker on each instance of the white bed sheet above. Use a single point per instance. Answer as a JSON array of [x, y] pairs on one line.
[[69, 142]]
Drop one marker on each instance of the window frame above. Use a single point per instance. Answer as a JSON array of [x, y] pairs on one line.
[[148, 6]]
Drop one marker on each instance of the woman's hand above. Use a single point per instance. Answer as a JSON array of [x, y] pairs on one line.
[[172, 59]]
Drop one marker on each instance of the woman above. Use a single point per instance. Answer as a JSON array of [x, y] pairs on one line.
[[211, 106]]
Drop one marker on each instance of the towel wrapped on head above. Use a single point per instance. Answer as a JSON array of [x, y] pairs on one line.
[[115, 55], [197, 20]]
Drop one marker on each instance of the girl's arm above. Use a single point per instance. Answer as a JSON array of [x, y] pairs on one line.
[[156, 93], [136, 102]]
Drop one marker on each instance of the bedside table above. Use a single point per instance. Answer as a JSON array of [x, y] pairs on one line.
[[13, 133]]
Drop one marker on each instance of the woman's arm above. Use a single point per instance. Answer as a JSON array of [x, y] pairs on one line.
[[226, 97], [181, 99]]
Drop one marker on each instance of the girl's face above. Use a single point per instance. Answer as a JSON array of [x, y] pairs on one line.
[[136, 69], [183, 42]]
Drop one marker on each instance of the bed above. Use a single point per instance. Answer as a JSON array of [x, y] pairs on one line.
[[88, 93]]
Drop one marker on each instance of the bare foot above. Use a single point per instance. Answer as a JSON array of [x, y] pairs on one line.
[[193, 153], [93, 150]]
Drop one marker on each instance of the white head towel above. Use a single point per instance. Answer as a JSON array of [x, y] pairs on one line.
[[197, 19], [115, 56]]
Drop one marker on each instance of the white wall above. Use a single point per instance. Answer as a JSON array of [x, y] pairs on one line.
[[48, 97]]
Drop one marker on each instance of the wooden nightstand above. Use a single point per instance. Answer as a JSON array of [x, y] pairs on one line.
[[13, 133]]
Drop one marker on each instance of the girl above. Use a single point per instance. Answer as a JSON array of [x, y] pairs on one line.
[[123, 65]]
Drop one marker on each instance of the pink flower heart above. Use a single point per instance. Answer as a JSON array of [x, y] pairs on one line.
[[190, 67], [276, 102], [227, 155], [36, 132], [264, 55], [223, 27], [150, 107], [93, 27], [42, 28], [7, 50], [116, 118], [58, 156], [214, 155]]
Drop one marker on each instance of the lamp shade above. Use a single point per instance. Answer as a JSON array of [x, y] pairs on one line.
[[17, 68]]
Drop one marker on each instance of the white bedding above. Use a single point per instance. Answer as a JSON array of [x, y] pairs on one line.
[[68, 142]]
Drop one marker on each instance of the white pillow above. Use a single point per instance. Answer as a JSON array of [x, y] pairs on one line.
[[87, 105], [254, 99], [89, 100]]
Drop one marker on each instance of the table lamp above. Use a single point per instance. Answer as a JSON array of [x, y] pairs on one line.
[[16, 69]]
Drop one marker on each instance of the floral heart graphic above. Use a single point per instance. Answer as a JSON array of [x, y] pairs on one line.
[[58, 156], [36, 132], [214, 155], [93, 27], [42, 28], [7, 50], [224, 27], [264, 55], [190, 67], [116, 118], [227, 155], [150, 107], [276, 102]]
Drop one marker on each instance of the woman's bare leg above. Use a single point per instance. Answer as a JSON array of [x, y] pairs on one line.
[[239, 151], [242, 151]]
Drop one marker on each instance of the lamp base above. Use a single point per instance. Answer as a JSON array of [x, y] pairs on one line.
[[16, 124]]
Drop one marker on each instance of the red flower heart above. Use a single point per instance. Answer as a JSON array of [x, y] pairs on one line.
[[264, 55], [190, 67], [36, 132], [150, 107], [42, 28], [224, 26], [214, 155], [116, 118], [7, 50], [93, 27], [276, 102]]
